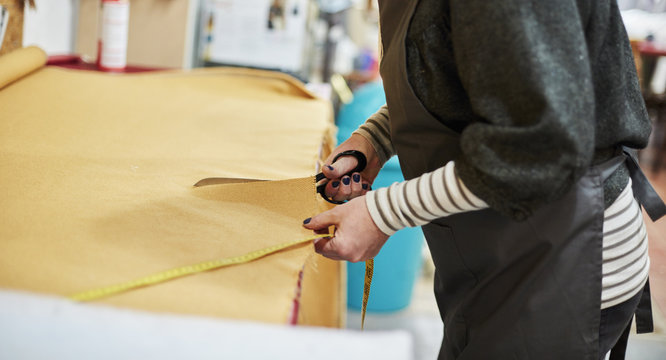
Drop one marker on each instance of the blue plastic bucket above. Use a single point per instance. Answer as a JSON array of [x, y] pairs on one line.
[[399, 262]]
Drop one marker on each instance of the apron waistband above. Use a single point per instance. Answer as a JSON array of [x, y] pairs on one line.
[[643, 190]]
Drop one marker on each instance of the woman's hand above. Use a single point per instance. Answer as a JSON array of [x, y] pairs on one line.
[[357, 238], [342, 187]]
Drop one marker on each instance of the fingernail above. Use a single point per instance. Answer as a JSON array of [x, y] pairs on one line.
[[330, 167], [307, 221], [346, 180], [335, 184], [357, 177], [365, 186]]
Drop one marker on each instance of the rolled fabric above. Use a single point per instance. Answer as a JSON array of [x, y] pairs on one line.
[[19, 63]]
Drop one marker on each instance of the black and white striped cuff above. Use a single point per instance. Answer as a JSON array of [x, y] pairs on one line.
[[418, 201]]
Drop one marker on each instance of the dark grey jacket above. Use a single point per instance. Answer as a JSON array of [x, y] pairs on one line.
[[540, 90]]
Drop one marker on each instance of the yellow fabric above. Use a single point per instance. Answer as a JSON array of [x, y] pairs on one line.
[[20, 63], [97, 175]]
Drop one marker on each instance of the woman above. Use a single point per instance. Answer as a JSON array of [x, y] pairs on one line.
[[509, 119]]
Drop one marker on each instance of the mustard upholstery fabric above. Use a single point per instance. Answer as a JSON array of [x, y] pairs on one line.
[[97, 175]]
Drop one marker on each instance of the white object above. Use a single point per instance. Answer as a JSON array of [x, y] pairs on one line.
[[658, 83], [4, 19], [45, 327], [640, 24], [269, 34], [114, 32]]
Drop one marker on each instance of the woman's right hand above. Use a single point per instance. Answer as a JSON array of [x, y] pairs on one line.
[[341, 187]]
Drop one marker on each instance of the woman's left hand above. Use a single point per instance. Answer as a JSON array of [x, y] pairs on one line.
[[357, 238]]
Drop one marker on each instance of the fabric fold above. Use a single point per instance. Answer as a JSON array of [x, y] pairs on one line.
[[19, 63]]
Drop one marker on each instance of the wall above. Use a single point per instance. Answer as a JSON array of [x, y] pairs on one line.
[[161, 32], [50, 25]]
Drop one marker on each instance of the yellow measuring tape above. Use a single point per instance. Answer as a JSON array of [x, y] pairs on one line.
[[186, 270], [369, 269], [175, 273]]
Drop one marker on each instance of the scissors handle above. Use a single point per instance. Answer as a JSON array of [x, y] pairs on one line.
[[362, 162]]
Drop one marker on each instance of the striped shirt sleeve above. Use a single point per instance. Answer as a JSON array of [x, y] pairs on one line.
[[378, 132], [420, 200]]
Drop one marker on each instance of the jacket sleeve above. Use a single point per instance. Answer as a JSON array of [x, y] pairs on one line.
[[525, 67]]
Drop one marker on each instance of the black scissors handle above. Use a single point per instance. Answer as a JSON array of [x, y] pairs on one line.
[[362, 162]]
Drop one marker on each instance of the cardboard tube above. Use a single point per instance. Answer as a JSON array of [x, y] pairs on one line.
[[19, 63]]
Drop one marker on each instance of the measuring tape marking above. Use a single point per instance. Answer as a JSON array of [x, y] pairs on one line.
[[174, 273]]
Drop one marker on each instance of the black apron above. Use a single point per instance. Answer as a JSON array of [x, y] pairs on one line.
[[505, 289]]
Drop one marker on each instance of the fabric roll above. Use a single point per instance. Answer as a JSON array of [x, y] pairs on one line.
[[20, 63]]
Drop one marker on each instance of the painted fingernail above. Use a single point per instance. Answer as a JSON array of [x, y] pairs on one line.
[[307, 221], [335, 184], [357, 178], [330, 167], [365, 186], [346, 180]]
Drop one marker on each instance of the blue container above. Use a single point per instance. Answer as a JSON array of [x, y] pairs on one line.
[[399, 262]]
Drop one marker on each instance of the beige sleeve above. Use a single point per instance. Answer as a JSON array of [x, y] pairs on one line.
[[378, 132]]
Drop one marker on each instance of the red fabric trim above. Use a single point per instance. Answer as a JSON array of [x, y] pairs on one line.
[[77, 63], [293, 318]]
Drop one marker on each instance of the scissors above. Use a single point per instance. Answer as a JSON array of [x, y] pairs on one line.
[[362, 162]]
